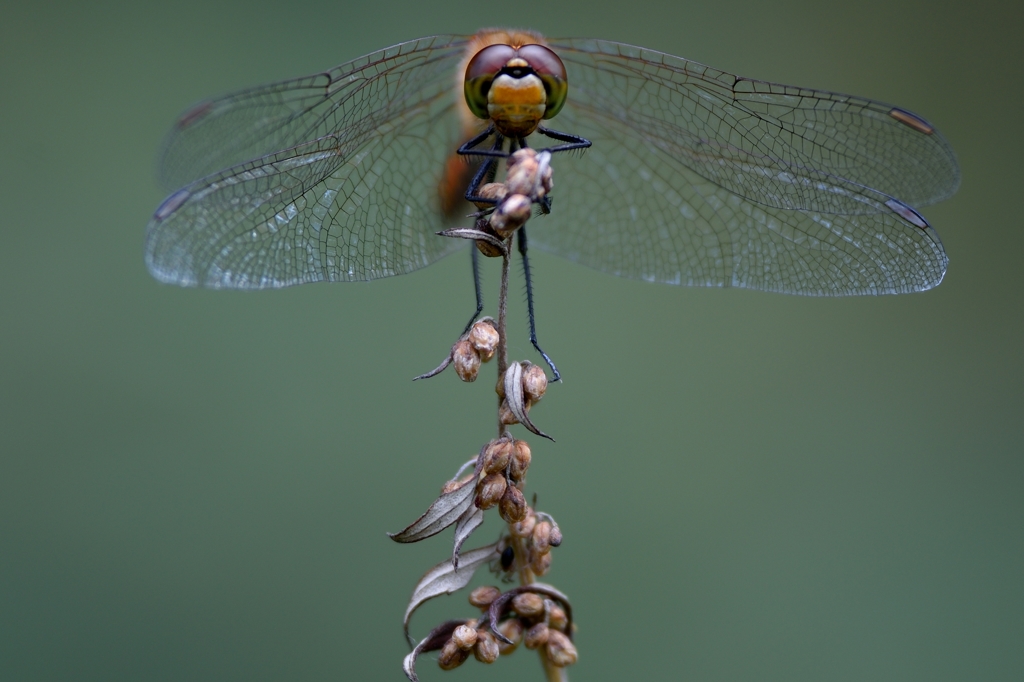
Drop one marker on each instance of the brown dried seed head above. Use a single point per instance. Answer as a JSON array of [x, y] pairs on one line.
[[512, 506], [464, 637], [451, 656], [467, 361], [556, 617], [541, 563], [520, 460], [505, 415], [555, 536], [483, 223], [490, 491], [482, 596], [528, 604], [486, 650], [524, 528], [522, 172], [511, 214], [484, 338], [535, 382], [492, 190], [497, 455], [536, 636], [560, 650], [512, 629], [499, 388], [542, 537]]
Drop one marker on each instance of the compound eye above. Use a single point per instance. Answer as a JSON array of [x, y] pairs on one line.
[[551, 71], [480, 73]]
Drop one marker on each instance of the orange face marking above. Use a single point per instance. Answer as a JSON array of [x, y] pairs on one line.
[[516, 105]]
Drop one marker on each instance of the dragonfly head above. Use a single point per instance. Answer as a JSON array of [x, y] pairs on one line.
[[515, 87]]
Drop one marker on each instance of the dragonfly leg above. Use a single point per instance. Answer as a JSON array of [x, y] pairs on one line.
[[571, 141], [489, 168], [521, 241], [476, 286]]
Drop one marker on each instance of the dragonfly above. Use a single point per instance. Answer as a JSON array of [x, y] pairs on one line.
[[694, 176]]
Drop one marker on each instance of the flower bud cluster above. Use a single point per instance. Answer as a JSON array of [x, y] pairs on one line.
[[478, 345], [538, 533], [528, 180], [502, 476], [471, 637], [532, 619]]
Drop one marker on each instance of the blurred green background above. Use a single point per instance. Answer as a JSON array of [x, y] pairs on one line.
[[196, 485]]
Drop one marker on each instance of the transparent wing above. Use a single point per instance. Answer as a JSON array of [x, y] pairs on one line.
[[700, 177], [333, 177]]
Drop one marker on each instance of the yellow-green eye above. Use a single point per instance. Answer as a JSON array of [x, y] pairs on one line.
[[551, 71], [480, 73]]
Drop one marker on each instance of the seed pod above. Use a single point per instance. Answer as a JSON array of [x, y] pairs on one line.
[[542, 537], [512, 629], [497, 455], [512, 506], [482, 596], [528, 604], [483, 224], [490, 491], [555, 536], [524, 528], [511, 214], [520, 461], [536, 636], [522, 171], [484, 338], [541, 563], [492, 190], [499, 388], [486, 649], [464, 637], [560, 650], [467, 362], [535, 382], [451, 656], [556, 617], [505, 415]]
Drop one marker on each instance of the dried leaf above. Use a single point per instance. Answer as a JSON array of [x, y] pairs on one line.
[[468, 522], [432, 642], [476, 235], [445, 511], [445, 579], [516, 400], [437, 370]]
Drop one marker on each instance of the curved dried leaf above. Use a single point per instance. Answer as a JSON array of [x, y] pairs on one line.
[[437, 370], [475, 235], [445, 511], [432, 642], [468, 522], [516, 399], [445, 579]]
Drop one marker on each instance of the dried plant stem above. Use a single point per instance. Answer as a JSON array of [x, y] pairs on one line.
[[502, 310], [552, 673]]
